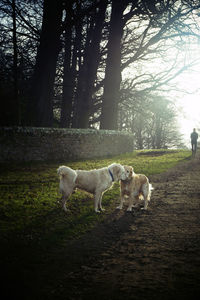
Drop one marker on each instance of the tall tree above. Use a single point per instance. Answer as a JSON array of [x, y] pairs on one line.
[[112, 81], [139, 39], [69, 68], [16, 103], [88, 70], [40, 108], [158, 22]]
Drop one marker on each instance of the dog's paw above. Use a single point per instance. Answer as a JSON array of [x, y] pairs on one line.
[[119, 207], [129, 209], [143, 208], [135, 205], [97, 211], [102, 209], [65, 209]]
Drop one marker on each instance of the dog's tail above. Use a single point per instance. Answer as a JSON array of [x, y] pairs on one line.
[[62, 171], [66, 174], [151, 188]]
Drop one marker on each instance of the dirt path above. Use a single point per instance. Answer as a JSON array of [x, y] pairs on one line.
[[142, 255]]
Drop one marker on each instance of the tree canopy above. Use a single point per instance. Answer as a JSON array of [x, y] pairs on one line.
[[95, 63]]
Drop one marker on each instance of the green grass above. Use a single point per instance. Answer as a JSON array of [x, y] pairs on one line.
[[29, 196], [35, 231]]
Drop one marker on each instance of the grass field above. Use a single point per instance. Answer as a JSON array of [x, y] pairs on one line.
[[30, 212], [35, 233]]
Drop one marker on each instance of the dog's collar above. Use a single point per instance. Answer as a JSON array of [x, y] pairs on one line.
[[111, 175]]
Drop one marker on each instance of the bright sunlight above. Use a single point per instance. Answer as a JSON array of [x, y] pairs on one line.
[[189, 104]]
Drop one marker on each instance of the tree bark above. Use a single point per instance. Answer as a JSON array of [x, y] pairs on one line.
[[41, 104], [16, 103], [89, 68], [68, 78], [76, 61], [111, 96]]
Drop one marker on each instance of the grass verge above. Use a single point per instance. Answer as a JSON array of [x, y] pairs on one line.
[[29, 208], [35, 231]]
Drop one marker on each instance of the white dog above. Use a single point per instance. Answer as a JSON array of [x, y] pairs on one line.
[[93, 181], [136, 188]]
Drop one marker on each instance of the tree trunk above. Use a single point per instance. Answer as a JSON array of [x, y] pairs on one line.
[[41, 105], [111, 96], [68, 78], [158, 132], [16, 104], [76, 62], [89, 68]]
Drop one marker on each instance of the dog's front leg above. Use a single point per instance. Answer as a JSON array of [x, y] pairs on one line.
[[97, 201], [146, 202], [122, 200], [64, 199], [130, 205], [100, 206]]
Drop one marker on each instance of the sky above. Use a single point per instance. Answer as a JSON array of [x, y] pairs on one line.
[[189, 115], [189, 81], [189, 104]]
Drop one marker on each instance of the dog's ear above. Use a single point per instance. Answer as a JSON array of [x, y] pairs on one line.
[[116, 171]]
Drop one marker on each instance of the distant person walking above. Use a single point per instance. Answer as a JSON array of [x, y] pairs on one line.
[[194, 138]]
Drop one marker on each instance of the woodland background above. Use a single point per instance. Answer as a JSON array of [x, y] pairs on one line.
[[102, 64]]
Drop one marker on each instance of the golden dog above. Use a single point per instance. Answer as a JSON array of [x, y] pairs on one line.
[[136, 187]]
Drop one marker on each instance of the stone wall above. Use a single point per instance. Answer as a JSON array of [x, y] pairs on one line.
[[52, 144]]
